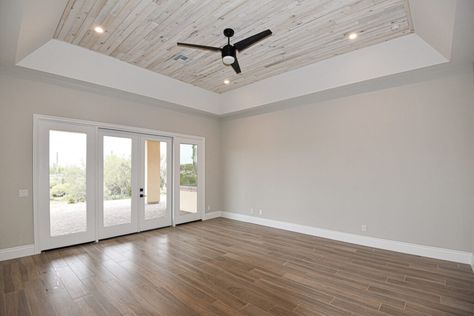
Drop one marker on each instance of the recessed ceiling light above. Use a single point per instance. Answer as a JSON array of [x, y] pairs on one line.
[[353, 36], [99, 29], [227, 82]]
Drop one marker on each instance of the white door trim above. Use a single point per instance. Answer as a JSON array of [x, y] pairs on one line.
[[118, 127], [35, 185], [39, 117]]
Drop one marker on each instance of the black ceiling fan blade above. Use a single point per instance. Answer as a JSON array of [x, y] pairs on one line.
[[217, 49], [236, 66], [249, 41]]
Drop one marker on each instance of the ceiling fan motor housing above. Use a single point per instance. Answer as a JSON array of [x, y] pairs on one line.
[[228, 54], [228, 32]]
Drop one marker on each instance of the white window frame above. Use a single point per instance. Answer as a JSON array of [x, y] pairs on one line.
[[199, 215]]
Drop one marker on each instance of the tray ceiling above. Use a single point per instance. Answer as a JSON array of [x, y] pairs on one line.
[[145, 32]]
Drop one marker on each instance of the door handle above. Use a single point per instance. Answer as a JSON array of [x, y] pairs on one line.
[[142, 195]]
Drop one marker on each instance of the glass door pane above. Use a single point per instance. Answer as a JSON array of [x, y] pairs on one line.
[[156, 178], [67, 182], [117, 181], [189, 160], [188, 179], [118, 178]]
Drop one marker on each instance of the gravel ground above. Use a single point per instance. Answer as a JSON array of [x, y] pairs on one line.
[[71, 218]]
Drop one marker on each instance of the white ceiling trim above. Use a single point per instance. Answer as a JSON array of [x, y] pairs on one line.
[[71, 61], [434, 22], [395, 56], [399, 55]]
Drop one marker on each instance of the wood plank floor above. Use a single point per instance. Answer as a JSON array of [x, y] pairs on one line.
[[225, 267]]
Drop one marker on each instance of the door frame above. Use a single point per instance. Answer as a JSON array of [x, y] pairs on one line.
[[39, 119], [144, 224], [45, 241], [200, 185], [123, 229]]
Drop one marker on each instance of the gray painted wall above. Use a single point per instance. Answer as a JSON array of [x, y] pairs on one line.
[[24, 94], [399, 160]]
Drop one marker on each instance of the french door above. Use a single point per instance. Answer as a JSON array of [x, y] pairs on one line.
[[155, 182], [189, 180], [134, 176], [66, 184], [94, 183]]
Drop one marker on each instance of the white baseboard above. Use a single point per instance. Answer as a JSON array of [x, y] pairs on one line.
[[212, 215], [472, 262], [414, 249], [403, 247], [17, 252]]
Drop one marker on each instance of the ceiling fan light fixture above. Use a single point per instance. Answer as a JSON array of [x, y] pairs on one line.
[[228, 60]]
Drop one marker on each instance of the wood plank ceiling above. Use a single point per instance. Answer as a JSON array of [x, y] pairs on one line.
[[145, 32]]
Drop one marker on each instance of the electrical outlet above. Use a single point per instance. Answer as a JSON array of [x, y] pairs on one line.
[[251, 211], [363, 227], [260, 212], [23, 193], [208, 208]]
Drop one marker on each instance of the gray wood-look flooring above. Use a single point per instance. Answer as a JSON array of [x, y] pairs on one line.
[[225, 267]]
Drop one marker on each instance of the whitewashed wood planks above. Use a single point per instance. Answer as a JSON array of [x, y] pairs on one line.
[[145, 32]]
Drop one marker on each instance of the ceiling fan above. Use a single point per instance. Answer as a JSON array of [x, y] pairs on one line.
[[229, 52]]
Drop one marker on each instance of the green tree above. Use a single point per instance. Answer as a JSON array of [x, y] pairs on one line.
[[117, 177], [68, 183], [188, 172], [188, 175]]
